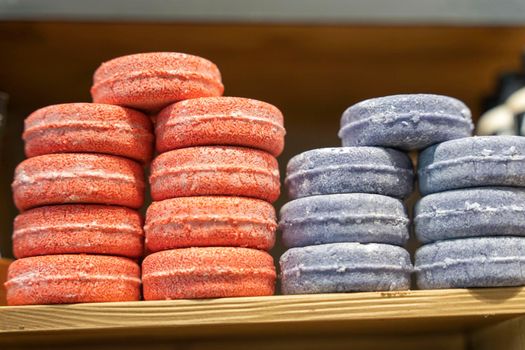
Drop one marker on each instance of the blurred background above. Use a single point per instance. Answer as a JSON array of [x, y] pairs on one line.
[[312, 59]]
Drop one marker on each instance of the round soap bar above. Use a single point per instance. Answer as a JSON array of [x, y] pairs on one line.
[[232, 121], [345, 267], [473, 212], [77, 228], [471, 262], [211, 272], [78, 178], [89, 127], [151, 81], [473, 162], [202, 171], [210, 221], [350, 170], [407, 122], [67, 279], [352, 217]]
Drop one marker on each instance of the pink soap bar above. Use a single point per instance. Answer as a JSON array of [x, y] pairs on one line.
[[151, 81], [78, 228], [212, 272], [233, 121], [78, 178], [89, 128], [66, 279], [210, 221], [227, 171]]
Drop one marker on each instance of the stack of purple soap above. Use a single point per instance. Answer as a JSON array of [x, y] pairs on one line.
[[471, 217], [346, 224]]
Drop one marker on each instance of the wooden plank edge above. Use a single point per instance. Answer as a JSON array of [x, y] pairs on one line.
[[274, 310]]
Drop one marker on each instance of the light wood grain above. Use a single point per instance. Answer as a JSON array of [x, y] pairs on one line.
[[359, 313]]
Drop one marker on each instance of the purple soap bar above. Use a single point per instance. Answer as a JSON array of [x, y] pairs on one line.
[[473, 162], [351, 217], [471, 262], [408, 122], [345, 267], [472, 212], [350, 170]]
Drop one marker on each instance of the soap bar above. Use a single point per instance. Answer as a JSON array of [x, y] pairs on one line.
[[151, 81], [78, 178], [472, 212], [408, 122], [208, 272], [345, 267], [351, 217], [350, 170], [208, 121], [67, 279], [471, 263], [210, 221], [89, 128], [78, 229], [215, 170], [473, 162]]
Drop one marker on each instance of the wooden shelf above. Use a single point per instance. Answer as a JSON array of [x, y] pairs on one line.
[[387, 313]]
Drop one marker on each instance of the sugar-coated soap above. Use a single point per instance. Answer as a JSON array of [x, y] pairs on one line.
[[473, 162], [208, 121], [408, 122], [471, 263], [151, 81], [350, 170], [215, 170], [350, 217], [471, 212], [210, 221], [208, 272], [72, 278], [345, 267], [78, 178]]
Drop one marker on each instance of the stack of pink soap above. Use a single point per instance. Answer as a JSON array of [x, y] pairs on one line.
[[79, 234], [212, 222], [213, 184]]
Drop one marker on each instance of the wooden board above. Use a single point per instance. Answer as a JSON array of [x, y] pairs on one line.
[[359, 314]]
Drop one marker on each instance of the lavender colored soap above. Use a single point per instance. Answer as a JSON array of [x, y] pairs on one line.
[[473, 212], [351, 217], [345, 267], [471, 262], [473, 162], [408, 122], [350, 170]]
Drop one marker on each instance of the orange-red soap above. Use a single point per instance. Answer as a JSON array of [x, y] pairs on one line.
[[210, 221], [202, 171], [66, 279], [212, 272], [89, 128], [233, 121], [78, 178], [78, 228], [151, 81]]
